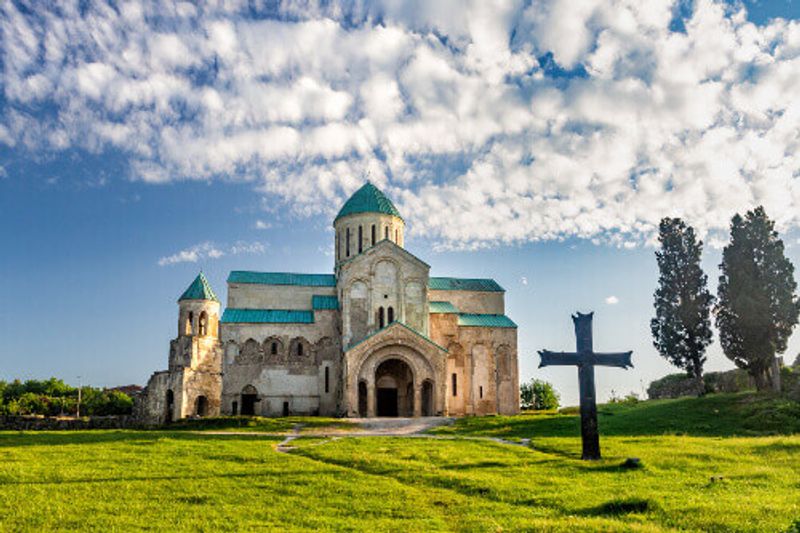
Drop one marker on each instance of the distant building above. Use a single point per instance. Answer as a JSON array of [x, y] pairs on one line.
[[378, 337]]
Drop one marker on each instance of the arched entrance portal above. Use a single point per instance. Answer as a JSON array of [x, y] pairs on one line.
[[394, 388], [201, 406], [249, 399]]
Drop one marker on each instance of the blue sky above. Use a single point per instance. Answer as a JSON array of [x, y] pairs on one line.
[[124, 169]]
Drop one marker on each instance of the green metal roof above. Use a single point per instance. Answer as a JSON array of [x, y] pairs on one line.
[[391, 324], [267, 316], [485, 321], [442, 307], [200, 289], [321, 303], [464, 284], [368, 199], [282, 278]]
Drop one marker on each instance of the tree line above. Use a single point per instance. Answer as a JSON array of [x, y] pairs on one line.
[[755, 309], [53, 397]]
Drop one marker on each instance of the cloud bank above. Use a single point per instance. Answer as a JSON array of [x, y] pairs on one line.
[[489, 122], [207, 250]]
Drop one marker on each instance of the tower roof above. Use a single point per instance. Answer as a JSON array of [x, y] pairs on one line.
[[368, 199], [200, 289]]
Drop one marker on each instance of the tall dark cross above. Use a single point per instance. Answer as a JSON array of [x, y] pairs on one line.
[[586, 359]]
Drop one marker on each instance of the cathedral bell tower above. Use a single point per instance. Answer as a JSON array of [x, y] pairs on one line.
[[198, 328]]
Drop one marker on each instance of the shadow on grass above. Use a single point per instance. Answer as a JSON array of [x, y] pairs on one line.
[[622, 507], [281, 477]]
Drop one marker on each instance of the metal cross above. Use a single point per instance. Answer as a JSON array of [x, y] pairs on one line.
[[586, 359]]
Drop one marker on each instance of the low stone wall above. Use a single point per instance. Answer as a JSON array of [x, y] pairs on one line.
[[38, 423], [678, 385]]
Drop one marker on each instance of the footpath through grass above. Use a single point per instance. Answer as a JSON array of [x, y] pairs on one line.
[[695, 477]]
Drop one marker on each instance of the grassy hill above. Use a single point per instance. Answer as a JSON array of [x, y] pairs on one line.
[[715, 415], [696, 475]]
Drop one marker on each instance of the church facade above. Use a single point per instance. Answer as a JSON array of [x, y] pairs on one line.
[[377, 337]]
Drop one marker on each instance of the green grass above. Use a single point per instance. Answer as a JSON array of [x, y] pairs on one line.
[[695, 476]]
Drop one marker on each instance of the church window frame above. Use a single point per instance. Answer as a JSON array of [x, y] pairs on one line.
[[373, 235], [300, 349], [190, 323], [347, 241], [202, 324], [273, 349], [455, 384], [360, 239], [327, 379], [386, 233], [390, 315], [381, 319]]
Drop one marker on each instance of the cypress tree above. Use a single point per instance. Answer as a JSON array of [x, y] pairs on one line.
[[757, 307], [682, 327]]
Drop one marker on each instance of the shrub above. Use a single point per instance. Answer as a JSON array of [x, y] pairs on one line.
[[539, 395]]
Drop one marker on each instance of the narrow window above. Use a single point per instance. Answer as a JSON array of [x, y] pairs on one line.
[[390, 315], [300, 349], [480, 391], [338, 238], [360, 239], [386, 232], [381, 323], [455, 384], [327, 380], [347, 242], [373, 235], [203, 324], [274, 348], [397, 236], [190, 324]]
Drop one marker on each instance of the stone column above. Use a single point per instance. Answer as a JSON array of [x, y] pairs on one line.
[[417, 399], [372, 401]]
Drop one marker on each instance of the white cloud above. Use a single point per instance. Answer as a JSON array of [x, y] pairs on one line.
[[260, 224], [444, 104], [612, 300], [523, 280], [205, 251]]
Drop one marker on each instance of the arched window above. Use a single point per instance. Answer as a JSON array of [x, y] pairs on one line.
[[273, 349], [203, 324], [397, 236], [190, 323], [386, 232], [300, 349], [373, 235], [347, 242], [360, 239], [381, 323], [390, 315]]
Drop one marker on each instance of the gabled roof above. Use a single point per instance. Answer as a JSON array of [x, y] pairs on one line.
[[464, 284], [323, 303], [393, 324], [282, 278], [200, 289], [385, 242], [267, 316], [442, 307], [485, 321], [368, 199]]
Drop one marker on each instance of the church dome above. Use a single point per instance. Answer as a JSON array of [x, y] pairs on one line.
[[368, 199]]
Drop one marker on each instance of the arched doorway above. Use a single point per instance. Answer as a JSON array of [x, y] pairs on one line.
[[201, 406], [249, 399], [169, 407], [427, 398], [362, 399], [394, 386]]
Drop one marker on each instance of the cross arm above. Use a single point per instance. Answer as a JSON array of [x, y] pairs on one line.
[[548, 358], [620, 360]]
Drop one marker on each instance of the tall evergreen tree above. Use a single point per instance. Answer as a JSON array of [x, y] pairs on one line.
[[682, 327], [757, 307]]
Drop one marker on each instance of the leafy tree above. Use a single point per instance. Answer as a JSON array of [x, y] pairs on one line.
[[757, 307], [538, 395], [682, 325]]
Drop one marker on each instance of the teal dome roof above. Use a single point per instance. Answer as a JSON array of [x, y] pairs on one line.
[[368, 199], [200, 289]]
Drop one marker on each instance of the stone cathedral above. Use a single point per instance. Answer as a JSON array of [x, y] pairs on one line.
[[378, 337]]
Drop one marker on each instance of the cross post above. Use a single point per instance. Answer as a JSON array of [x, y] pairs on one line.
[[586, 359]]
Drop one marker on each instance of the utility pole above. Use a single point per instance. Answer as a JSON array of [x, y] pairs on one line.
[[78, 414]]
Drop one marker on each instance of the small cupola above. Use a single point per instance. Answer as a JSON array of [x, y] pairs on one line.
[[198, 309]]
